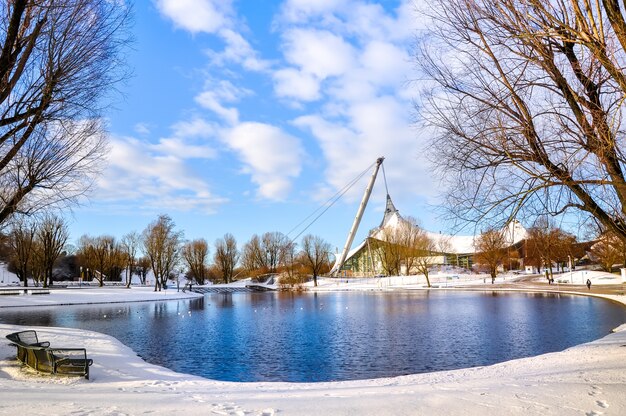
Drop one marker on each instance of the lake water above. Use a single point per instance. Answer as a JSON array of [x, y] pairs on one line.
[[338, 336]]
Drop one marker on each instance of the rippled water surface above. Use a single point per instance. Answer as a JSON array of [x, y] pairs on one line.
[[338, 336]]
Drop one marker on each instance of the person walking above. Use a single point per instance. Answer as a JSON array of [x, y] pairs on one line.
[[588, 284]]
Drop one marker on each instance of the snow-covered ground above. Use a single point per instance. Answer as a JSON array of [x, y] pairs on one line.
[[446, 280], [588, 379], [89, 295], [580, 277]]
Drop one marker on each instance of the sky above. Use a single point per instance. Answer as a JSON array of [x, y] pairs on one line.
[[245, 117]]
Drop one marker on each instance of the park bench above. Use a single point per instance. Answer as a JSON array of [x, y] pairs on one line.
[[39, 356]]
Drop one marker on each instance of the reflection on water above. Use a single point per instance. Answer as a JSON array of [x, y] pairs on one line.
[[338, 336]]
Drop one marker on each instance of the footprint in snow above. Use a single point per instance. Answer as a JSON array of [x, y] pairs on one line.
[[603, 404]]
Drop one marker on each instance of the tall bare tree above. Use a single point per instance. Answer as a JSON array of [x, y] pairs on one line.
[[117, 261], [195, 254], [52, 234], [426, 250], [130, 246], [411, 236], [59, 61], [161, 242], [274, 244], [548, 245], [86, 256], [226, 256], [289, 258], [608, 251], [264, 254], [491, 250], [390, 250], [527, 104], [142, 268], [316, 255], [102, 249], [21, 240], [253, 257]]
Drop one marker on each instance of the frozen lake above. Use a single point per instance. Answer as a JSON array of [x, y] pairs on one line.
[[340, 335]]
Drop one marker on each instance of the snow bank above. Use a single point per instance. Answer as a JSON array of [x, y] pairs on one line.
[[91, 295]]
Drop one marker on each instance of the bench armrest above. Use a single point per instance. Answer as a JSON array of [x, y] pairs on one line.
[[70, 361]]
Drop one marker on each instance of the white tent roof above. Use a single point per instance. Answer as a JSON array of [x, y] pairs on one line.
[[457, 244]]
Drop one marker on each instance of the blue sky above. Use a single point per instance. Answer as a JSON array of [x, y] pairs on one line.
[[246, 116]]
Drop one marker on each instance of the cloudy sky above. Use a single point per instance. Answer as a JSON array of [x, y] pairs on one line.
[[246, 116]]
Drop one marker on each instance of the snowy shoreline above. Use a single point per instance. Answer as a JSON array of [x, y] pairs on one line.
[[587, 379]]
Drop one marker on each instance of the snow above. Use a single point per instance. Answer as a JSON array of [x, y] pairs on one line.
[[455, 280], [596, 277], [588, 379], [91, 295]]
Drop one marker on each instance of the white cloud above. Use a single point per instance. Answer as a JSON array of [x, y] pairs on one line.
[[358, 52], [215, 94], [300, 11], [379, 127], [317, 52], [210, 100], [385, 63], [180, 149], [292, 83], [345, 64], [195, 128], [271, 156], [215, 17], [142, 128], [146, 175], [197, 15], [238, 50]]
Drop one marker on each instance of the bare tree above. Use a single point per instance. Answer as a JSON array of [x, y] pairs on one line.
[[101, 248], [142, 268], [565, 247], [130, 246], [527, 104], [491, 250], [117, 261], [548, 245], [162, 246], [316, 255], [608, 251], [195, 254], [86, 256], [289, 258], [390, 250], [425, 251], [38, 266], [59, 60], [274, 244], [51, 234], [264, 254], [226, 256], [253, 257], [21, 240], [411, 234]]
